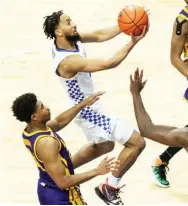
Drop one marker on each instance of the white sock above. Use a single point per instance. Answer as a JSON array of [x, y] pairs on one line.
[[113, 181]]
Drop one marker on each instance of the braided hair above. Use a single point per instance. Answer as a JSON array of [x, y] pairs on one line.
[[50, 24]]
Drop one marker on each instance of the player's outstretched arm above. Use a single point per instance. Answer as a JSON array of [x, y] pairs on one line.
[[168, 135], [66, 117], [47, 150], [177, 46], [76, 63], [100, 35]]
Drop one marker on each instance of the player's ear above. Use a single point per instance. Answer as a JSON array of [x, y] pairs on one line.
[[34, 117], [58, 32]]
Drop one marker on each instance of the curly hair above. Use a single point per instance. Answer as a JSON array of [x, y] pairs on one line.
[[50, 24], [24, 106]]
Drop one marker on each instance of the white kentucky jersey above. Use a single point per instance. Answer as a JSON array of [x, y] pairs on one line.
[[79, 87]]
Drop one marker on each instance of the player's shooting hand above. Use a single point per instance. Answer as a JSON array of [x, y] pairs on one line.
[[136, 39], [92, 98], [136, 83], [107, 165]]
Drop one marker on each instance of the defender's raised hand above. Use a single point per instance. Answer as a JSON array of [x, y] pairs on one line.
[[136, 83]]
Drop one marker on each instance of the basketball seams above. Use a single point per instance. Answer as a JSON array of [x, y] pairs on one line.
[[141, 17], [134, 13], [128, 16], [125, 23], [137, 27], [130, 19], [135, 23]]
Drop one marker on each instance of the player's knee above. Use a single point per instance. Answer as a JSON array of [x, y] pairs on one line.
[[137, 142], [142, 144]]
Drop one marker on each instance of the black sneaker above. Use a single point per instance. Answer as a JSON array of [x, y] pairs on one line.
[[110, 195]]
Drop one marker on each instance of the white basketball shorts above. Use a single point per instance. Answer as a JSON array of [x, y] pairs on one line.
[[100, 128]]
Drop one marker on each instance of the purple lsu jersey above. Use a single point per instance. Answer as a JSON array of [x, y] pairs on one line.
[[48, 191]]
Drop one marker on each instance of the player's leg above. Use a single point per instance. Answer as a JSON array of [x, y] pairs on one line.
[[132, 149], [160, 166], [134, 144], [160, 163], [91, 151]]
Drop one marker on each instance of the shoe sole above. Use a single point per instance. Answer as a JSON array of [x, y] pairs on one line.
[[99, 194], [156, 182]]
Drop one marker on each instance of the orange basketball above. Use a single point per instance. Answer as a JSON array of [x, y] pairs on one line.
[[132, 20]]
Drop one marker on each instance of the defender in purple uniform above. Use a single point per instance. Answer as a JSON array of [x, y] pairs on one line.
[[57, 184]]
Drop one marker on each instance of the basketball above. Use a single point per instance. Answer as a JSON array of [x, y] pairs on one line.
[[132, 20]]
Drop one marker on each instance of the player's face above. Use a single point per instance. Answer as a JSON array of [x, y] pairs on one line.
[[42, 113], [67, 28]]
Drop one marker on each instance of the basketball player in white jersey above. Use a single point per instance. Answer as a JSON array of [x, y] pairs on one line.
[[74, 71]]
